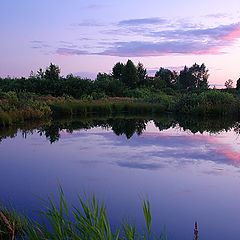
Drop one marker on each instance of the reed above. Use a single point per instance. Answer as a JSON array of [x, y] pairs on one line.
[[19, 108], [88, 220], [212, 102], [104, 107], [11, 224]]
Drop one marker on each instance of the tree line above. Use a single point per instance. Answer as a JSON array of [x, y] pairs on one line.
[[123, 81]]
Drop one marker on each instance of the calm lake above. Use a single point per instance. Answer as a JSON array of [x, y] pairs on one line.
[[189, 169]]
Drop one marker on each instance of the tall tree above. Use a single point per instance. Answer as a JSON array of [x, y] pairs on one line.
[[142, 73], [195, 77], [200, 72], [166, 76], [130, 76], [117, 70], [52, 72], [186, 81]]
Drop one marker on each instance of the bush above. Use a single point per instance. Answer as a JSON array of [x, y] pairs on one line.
[[19, 107], [212, 102]]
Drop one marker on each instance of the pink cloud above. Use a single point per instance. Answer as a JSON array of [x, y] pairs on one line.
[[232, 35], [230, 154]]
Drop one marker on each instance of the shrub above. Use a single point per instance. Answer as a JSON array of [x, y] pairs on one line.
[[212, 102]]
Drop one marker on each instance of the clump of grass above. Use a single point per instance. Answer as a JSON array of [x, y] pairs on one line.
[[147, 216], [87, 221], [11, 224]]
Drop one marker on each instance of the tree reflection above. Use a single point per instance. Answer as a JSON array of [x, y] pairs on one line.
[[122, 125], [210, 125], [128, 127]]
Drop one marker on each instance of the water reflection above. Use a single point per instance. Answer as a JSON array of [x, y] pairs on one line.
[[123, 125], [187, 175]]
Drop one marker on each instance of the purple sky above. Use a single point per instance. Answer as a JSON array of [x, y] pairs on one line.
[[85, 37]]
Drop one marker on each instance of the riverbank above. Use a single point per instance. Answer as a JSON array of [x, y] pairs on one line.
[[20, 107]]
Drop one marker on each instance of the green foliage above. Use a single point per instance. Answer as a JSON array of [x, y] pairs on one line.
[[154, 97], [195, 77], [87, 221], [103, 107], [129, 231], [159, 83], [21, 107], [108, 86], [117, 71], [142, 74], [166, 77], [130, 74], [51, 73], [147, 216], [11, 224], [20, 99], [208, 103], [124, 77]]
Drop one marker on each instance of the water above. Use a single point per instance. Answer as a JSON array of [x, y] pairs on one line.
[[187, 175]]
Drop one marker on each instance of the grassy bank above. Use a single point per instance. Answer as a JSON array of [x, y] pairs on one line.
[[212, 102], [111, 106], [88, 220], [17, 108]]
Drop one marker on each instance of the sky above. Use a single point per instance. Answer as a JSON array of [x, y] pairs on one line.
[[87, 37]]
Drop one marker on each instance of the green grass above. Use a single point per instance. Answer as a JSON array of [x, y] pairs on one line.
[[104, 107], [11, 224], [17, 108], [88, 220], [212, 102], [20, 107]]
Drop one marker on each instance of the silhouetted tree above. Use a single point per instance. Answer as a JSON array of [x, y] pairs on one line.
[[103, 76], [141, 73], [108, 85], [195, 77], [130, 75], [167, 76], [186, 80], [229, 84], [52, 72], [201, 75], [40, 73], [238, 84], [117, 70]]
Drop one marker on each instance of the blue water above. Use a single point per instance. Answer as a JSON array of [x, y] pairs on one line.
[[187, 177]]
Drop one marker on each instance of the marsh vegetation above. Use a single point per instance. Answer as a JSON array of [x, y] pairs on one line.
[[128, 89], [88, 220]]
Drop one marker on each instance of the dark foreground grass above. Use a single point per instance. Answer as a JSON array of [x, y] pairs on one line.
[[88, 221]]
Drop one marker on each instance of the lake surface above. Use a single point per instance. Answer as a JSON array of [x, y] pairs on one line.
[[189, 170]]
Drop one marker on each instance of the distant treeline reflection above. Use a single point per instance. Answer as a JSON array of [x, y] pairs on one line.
[[122, 125]]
